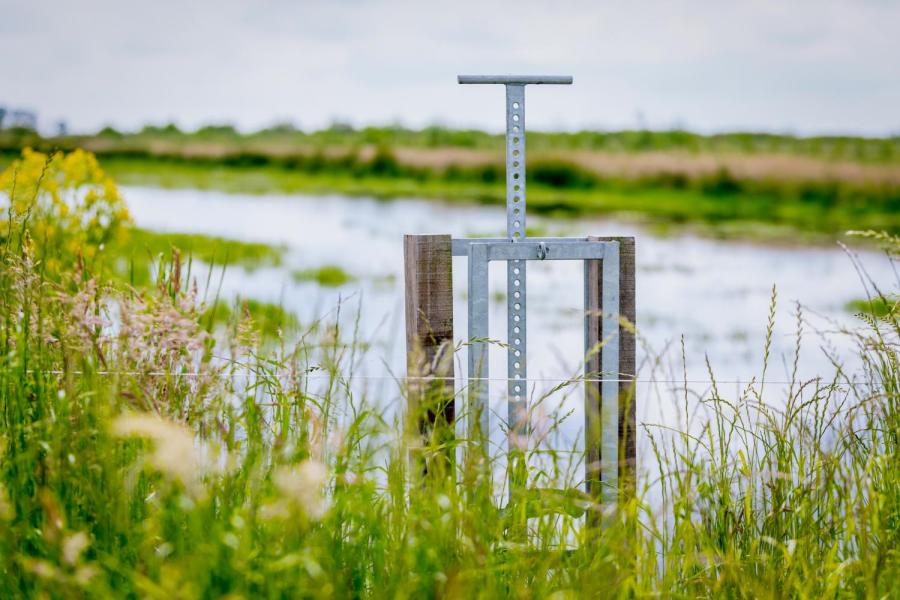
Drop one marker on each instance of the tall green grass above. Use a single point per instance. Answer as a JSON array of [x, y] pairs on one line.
[[142, 457]]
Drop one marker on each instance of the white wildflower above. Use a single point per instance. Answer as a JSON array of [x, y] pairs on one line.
[[41, 568], [73, 546], [84, 574], [304, 486], [175, 452]]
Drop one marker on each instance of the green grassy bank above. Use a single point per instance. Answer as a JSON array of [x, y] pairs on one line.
[[736, 185], [724, 213], [136, 255]]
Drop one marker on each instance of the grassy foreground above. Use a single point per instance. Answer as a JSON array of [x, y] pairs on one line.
[[142, 457]]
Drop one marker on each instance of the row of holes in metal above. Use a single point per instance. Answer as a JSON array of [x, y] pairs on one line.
[[518, 231], [517, 224]]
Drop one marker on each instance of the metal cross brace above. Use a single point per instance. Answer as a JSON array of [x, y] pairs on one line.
[[480, 252]]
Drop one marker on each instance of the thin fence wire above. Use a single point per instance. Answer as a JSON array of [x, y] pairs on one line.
[[398, 378]]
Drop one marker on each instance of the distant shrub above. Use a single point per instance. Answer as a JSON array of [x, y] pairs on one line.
[[170, 129], [561, 174], [668, 179], [247, 159], [281, 127], [490, 173], [110, 132], [341, 127], [720, 183], [824, 193], [384, 163], [224, 130]]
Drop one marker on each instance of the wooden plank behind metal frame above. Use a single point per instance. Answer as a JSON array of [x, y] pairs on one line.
[[428, 270], [627, 368]]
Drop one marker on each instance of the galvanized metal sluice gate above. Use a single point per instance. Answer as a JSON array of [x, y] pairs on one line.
[[608, 315]]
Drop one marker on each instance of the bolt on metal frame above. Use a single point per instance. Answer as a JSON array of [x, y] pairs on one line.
[[517, 249]]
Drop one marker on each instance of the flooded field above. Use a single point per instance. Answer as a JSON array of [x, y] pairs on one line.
[[716, 294]]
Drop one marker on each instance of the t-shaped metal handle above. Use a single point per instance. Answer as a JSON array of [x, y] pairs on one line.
[[517, 79], [515, 139]]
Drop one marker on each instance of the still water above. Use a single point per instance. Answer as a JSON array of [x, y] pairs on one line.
[[716, 294]]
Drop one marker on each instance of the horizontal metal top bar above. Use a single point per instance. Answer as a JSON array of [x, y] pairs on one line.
[[531, 250], [517, 79], [461, 245]]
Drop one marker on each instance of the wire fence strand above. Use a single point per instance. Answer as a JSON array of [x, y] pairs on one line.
[[398, 378]]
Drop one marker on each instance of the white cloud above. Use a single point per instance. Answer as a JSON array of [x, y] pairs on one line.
[[830, 65]]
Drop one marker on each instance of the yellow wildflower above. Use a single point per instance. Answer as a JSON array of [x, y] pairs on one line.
[[74, 205]]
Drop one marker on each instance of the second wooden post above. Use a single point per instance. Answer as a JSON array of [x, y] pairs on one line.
[[625, 478]]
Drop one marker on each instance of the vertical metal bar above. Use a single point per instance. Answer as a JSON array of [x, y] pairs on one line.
[[602, 352], [515, 161], [609, 358], [479, 372], [626, 485], [517, 392], [592, 394]]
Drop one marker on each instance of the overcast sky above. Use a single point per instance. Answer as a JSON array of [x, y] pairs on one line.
[[803, 66]]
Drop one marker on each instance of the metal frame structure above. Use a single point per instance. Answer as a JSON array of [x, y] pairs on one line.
[[516, 250]]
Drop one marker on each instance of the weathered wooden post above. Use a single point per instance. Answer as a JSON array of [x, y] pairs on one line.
[[429, 343]]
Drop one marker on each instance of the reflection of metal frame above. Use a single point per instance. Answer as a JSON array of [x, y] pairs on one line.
[[480, 253]]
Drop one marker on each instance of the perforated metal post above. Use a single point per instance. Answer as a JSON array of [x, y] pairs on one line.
[[516, 296]]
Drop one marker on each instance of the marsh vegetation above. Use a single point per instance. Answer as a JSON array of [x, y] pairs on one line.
[[144, 453], [733, 185]]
